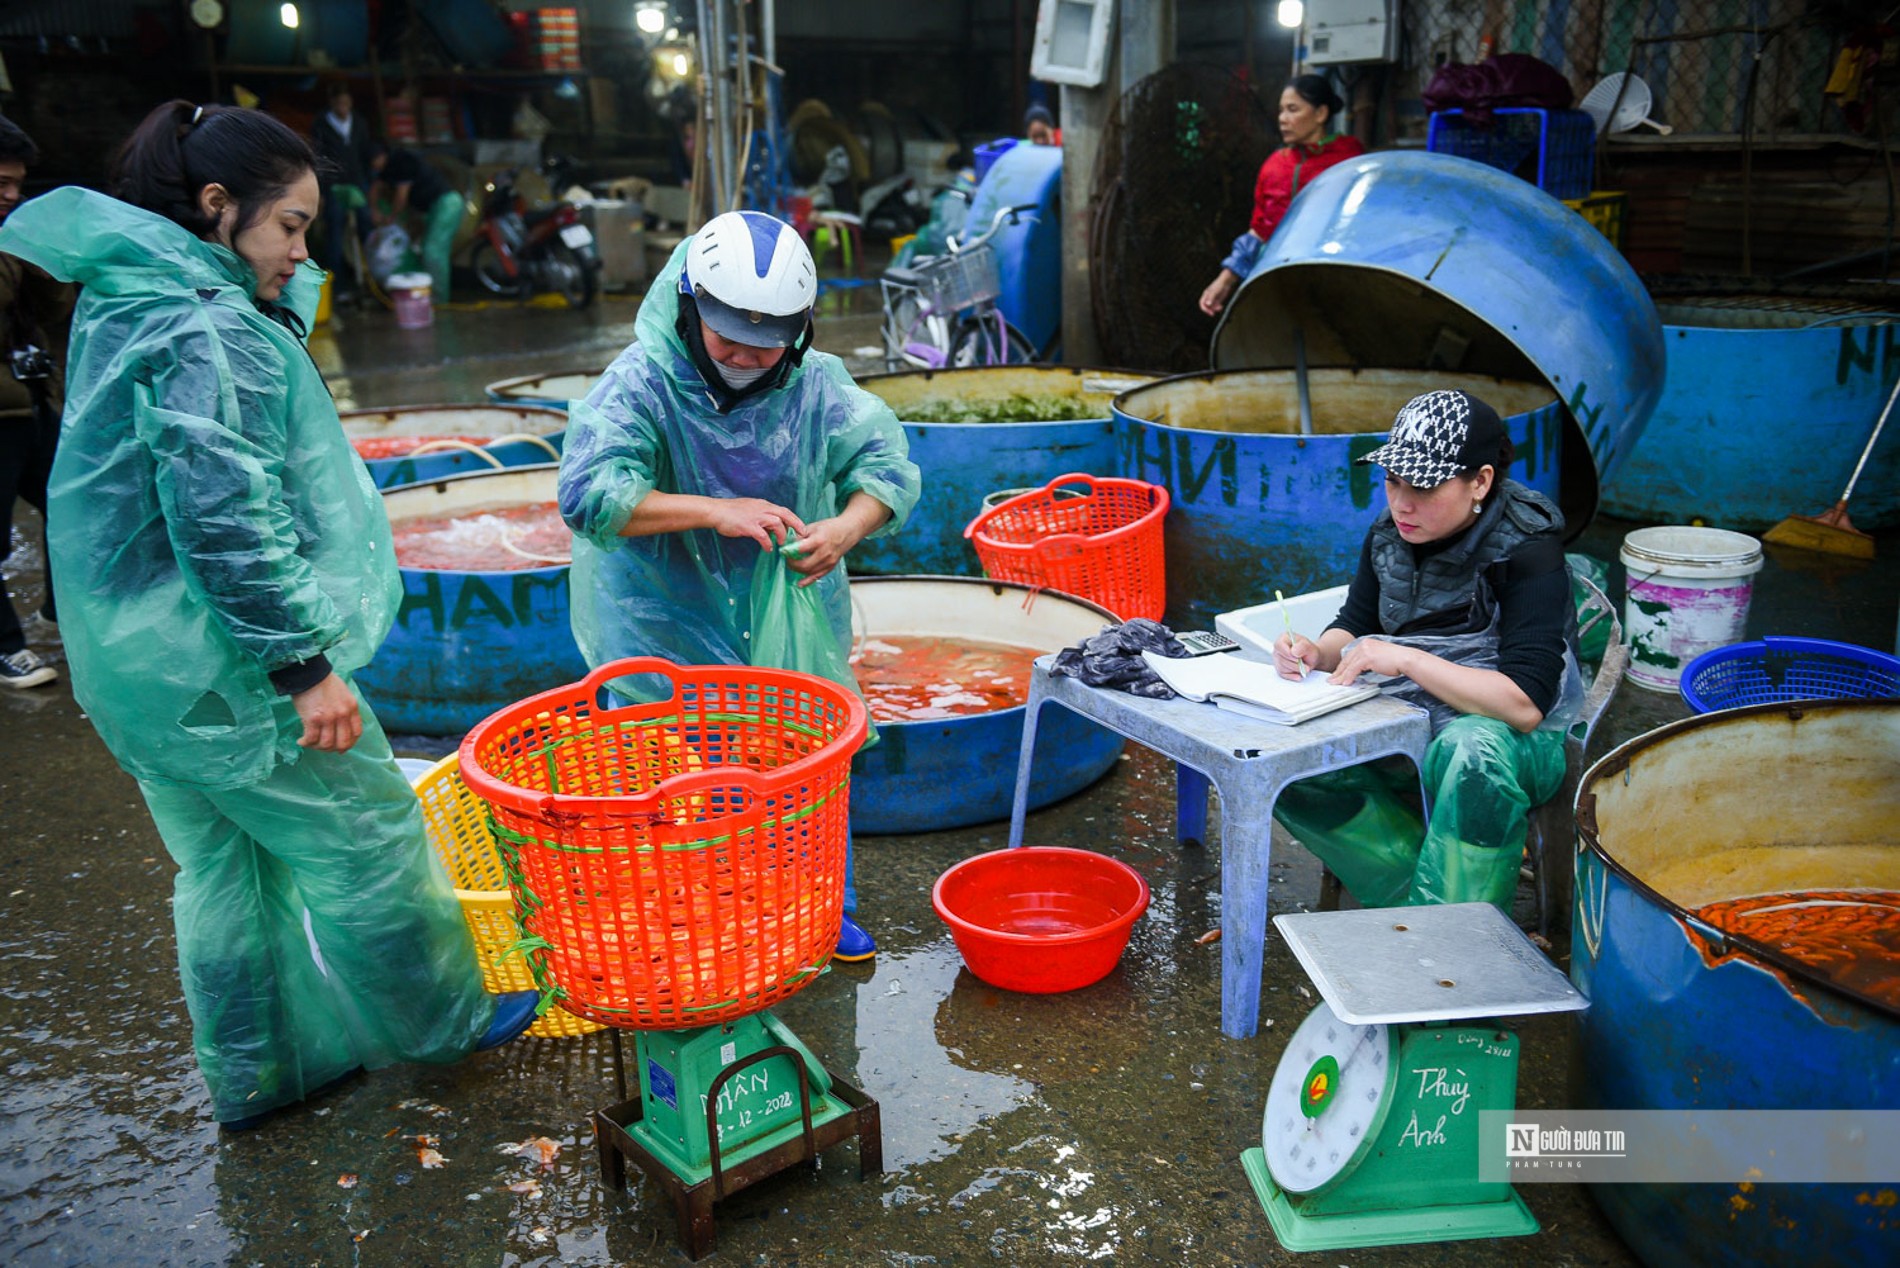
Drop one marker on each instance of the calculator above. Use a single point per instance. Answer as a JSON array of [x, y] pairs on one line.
[[1205, 643]]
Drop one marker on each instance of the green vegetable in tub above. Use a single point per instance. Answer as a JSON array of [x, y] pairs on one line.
[[1010, 409]]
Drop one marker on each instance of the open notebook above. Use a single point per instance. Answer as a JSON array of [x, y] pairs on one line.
[[1255, 688]]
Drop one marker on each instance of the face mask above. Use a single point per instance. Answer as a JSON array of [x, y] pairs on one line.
[[739, 380]]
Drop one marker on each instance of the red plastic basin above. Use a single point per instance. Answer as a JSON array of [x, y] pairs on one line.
[[1040, 919]]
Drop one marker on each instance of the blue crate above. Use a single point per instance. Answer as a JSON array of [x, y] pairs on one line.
[[986, 155], [1773, 670], [1563, 141]]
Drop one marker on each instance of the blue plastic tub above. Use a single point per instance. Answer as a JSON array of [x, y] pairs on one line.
[[927, 775], [1773, 670], [505, 436]]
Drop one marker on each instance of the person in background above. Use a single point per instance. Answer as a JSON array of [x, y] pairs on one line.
[[345, 150], [717, 436], [225, 566], [1308, 107], [35, 312], [1461, 605], [1039, 126], [405, 182]]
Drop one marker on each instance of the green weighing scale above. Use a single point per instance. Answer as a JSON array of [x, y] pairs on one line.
[[723, 1107], [1370, 1133]]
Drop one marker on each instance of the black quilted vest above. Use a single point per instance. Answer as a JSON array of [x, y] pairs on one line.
[[1463, 578]]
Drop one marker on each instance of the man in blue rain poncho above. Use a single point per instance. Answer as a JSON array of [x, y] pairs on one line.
[[223, 566], [713, 440]]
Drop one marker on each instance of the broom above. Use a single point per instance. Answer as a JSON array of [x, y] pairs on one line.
[[1831, 531]]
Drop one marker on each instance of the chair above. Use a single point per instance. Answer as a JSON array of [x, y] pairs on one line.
[[1555, 820], [842, 228]]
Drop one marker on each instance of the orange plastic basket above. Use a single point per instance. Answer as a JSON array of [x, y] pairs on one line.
[[1104, 546], [457, 824], [677, 863]]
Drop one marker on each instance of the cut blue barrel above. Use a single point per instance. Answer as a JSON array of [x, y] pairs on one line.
[[500, 436], [552, 390], [1755, 386], [1256, 505], [1029, 250], [977, 431], [1787, 813], [952, 772], [1408, 260], [467, 643]]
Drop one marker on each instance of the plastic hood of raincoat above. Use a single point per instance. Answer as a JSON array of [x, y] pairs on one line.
[[649, 424], [209, 521]]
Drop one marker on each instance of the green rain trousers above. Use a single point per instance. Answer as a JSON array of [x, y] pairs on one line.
[[1483, 777], [438, 241], [397, 978], [209, 524]]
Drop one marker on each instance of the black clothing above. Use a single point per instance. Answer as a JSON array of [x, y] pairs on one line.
[[1509, 565], [344, 162], [405, 167], [35, 311]]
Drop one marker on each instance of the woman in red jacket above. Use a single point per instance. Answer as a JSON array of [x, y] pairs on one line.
[[1307, 106]]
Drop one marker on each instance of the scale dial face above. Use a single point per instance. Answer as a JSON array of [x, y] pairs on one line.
[[207, 13], [1327, 1101]]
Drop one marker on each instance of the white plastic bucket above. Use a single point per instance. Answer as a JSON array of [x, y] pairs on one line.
[[1688, 593], [410, 293]]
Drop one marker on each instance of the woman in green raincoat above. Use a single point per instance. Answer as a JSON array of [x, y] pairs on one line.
[[224, 566], [707, 444]]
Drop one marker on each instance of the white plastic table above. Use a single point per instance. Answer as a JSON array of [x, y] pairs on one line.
[[1248, 762]]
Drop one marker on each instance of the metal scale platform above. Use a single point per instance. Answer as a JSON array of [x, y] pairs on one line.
[[1370, 1133], [723, 1107]]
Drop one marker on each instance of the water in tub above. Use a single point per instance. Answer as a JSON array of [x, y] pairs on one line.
[[485, 539]]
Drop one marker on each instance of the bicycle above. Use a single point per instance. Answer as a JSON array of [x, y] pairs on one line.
[[941, 311]]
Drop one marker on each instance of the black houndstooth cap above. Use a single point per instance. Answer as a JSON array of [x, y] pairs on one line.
[[1438, 435]]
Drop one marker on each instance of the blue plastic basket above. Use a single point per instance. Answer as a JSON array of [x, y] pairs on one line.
[[1563, 141], [986, 155], [1772, 670]]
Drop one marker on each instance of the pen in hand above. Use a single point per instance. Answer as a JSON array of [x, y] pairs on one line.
[[1298, 669]]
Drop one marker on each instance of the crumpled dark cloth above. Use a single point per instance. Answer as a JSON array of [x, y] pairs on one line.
[[1508, 79], [1112, 658]]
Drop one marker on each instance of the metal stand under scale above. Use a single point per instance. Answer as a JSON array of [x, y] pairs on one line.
[[1370, 1135], [722, 1108]]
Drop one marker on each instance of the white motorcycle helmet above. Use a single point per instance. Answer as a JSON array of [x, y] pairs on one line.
[[752, 278]]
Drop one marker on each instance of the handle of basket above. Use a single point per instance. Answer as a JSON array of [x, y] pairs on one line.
[[431, 446], [542, 441], [754, 782], [1077, 477]]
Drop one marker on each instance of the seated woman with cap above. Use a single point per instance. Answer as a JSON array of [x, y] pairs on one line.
[[1461, 604]]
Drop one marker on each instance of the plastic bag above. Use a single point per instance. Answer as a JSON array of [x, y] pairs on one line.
[[1593, 642], [789, 629], [389, 253]]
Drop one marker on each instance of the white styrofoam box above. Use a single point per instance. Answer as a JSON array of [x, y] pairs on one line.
[[620, 236], [1343, 32], [1258, 626]]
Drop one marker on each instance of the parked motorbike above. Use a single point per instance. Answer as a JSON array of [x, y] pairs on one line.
[[523, 251]]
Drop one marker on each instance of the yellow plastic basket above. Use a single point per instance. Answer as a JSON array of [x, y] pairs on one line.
[[1603, 208], [458, 829]]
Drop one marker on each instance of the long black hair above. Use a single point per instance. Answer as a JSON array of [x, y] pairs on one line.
[[180, 148], [1316, 91]]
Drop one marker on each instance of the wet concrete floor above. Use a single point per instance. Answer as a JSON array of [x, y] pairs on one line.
[[1103, 1124]]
